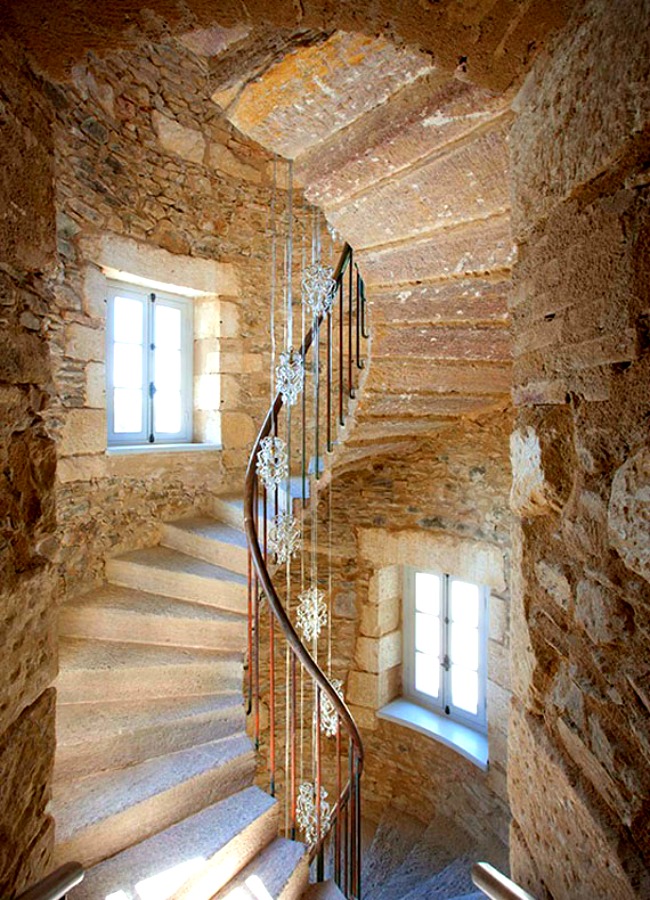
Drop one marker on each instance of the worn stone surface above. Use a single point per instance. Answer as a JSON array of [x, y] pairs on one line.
[[27, 472], [580, 590], [629, 512]]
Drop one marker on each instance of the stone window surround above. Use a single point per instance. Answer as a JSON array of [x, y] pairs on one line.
[[375, 679], [113, 257]]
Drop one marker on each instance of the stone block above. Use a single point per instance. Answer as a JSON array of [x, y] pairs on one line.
[[84, 432], [475, 248], [365, 718], [207, 426], [554, 582], [628, 515], [26, 763], [224, 160], [474, 378], [499, 665], [531, 494], [373, 690], [378, 654], [85, 343], [230, 320], [237, 429], [95, 396], [498, 613], [94, 291], [447, 302], [176, 138], [600, 611], [207, 392], [81, 468], [207, 318]]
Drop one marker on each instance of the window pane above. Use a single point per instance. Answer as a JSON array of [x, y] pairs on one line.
[[464, 603], [167, 375], [167, 412], [167, 331], [127, 411], [127, 366], [464, 646], [464, 689], [427, 593], [128, 320], [427, 634], [427, 674]]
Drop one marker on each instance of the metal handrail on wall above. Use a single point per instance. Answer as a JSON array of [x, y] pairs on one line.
[[496, 885], [342, 351], [57, 884]]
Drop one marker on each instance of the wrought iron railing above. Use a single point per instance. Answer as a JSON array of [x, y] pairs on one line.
[[290, 680]]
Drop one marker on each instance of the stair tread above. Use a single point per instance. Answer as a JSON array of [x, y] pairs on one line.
[[78, 805], [183, 848], [452, 881], [438, 846], [75, 722], [272, 869], [130, 600], [212, 529], [178, 563], [80, 654]]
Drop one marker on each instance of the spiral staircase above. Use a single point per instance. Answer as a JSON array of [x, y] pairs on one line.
[[166, 786]]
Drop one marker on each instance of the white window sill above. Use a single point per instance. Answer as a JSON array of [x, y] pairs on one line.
[[128, 449], [464, 740]]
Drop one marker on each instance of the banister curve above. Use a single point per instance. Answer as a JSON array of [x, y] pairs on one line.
[[347, 804], [263, 574]]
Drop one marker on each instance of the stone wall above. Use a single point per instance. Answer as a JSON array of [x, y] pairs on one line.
[[579, 778], [27, 470], [153, 182], [443, 504]]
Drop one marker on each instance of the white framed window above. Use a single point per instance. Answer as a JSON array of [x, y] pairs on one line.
[[148, 366], [445, 645]]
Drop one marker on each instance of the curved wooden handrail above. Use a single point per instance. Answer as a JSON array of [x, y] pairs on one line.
[[348, 725], [263, 574], [57, 884], [496, 885]]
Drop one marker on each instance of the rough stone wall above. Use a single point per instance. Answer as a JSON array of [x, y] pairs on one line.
[[579, 778], [147, 169], [27, 471]]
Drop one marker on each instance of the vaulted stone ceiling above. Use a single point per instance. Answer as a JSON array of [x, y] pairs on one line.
[[406, 157]]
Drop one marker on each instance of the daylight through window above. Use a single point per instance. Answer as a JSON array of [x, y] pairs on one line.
[[445, 645], [149, 366]]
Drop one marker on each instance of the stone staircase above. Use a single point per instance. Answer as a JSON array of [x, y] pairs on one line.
[[153, 783], [153, 787]]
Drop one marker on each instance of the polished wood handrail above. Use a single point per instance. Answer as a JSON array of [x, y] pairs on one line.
[[496, 885], [57, 884], [266, 582]]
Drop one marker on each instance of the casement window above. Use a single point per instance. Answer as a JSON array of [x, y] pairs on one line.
[[445, 644], [148, 366]]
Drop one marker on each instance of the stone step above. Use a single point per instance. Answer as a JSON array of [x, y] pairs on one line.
[[95, 737], [454, 880], [475, 248], [437, 847], [229, 508], [192, 859], [159, 570], [209, 540], [116, 613], [468, 182], [96, 671], [394, 837], [424, 118], [323, 890], [103, 814], [279, 872]]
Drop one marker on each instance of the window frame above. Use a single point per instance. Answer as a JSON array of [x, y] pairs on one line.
[[442, 704], [147, 436]]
